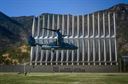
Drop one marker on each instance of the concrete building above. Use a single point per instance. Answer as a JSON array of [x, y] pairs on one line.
[[94, 34]]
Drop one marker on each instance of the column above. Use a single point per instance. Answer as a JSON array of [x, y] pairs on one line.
[[94, 51], [57, 52], [42, 52], [37, 46], [48, 26], [88, 24], [88, 39], [99, 51], [88, 52], [67, 58], [31, 55], [33, 27], [110, 50], [67, 25], [73, 26], [47, 53], [78, 52], [103, 26], [83, 33], [104, 37], [73, 39], [78, 27], [72, 54], [32, 48], [93, 25], [109, 25], [52, 54], [98, 25], [105, 51], [114, 21], [46, 57], [53, 24], [83, 51], [78, 40], [62, 52]]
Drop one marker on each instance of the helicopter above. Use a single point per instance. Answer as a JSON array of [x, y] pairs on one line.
[[59, 44]]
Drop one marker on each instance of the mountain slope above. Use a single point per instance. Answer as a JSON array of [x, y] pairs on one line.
[[26, 22], [8, 29], [13, 30]]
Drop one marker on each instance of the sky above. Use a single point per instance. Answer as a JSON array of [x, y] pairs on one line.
[[37, 7]]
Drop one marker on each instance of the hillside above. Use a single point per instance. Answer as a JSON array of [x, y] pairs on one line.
[[8, 31], [13, 34]]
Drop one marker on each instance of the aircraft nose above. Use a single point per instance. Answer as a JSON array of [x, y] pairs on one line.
[[31, 41], [76, 47]]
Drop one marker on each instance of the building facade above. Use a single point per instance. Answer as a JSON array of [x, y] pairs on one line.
[[93, 34]]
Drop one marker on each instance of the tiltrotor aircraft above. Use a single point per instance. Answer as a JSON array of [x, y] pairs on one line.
[[59, 44]]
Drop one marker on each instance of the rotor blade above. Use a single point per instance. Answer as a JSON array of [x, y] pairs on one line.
[[65, 35], [49, 29], [52, 29]]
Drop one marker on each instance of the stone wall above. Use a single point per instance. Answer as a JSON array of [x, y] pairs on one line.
[[58, 68]]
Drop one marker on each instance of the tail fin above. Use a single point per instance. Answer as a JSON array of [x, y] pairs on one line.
[[31, 41]]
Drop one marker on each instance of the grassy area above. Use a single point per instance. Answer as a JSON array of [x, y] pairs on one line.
[[64, 78]]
